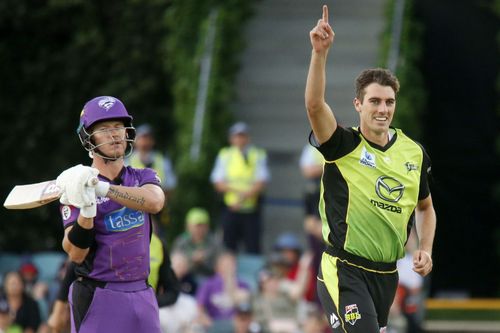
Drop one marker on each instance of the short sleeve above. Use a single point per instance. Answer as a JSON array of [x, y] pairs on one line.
[[219, 170], [262, 173], [425, 174], [69, 214], [148, 176], [341, 143]]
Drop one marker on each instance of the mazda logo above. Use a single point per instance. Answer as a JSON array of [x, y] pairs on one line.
[[389, 189]]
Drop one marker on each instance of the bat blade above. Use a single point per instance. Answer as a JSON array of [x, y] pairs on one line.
[[32, 195]]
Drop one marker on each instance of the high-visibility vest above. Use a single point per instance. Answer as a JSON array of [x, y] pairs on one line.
[[240, 174], [155, 260], [158, 164]]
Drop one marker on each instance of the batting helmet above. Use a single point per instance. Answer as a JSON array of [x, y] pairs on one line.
[[101, 109]]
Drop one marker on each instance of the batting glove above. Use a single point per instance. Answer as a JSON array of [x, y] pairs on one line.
[[75, 183], [101, 189], [90, 210]]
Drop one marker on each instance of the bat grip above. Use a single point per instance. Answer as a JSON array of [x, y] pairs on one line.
[[92, 182]]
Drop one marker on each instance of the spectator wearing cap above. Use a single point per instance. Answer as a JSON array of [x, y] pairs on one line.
[[23, 308], [243, 319], [300, 278], [38, 290], [198, 244], [240, 174], [145, 155]]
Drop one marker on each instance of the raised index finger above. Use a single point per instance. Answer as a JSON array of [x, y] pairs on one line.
[[325, 13]]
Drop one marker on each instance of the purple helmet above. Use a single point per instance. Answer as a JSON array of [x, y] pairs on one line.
[[101, 109]]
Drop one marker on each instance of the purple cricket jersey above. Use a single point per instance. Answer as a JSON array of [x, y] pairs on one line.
[[121, 249]]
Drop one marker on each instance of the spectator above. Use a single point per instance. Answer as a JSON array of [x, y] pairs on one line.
[[23, 307], [144, 155], [180, 265], [274, 308], [38, 290], [243, 320], [6, 325], [240, 173], [315, 321], [161, 275], [198, 244], [299, 276], [311, 165], [218, 295], [179, 317]]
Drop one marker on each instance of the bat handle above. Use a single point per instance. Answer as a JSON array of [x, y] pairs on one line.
[[92, 181]]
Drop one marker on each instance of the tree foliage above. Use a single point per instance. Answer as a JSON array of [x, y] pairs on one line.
[[56, 55]]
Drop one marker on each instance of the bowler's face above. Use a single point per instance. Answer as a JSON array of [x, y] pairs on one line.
[[377, 108]]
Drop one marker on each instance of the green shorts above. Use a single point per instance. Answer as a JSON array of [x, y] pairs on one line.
[[356, 294]]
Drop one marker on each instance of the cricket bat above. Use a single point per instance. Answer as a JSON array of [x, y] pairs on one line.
[[36, 195]]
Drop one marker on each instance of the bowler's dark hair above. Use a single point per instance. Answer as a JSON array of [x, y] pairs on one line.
[[382, 76]]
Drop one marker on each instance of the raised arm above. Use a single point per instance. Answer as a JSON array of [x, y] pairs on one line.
[[320, 115]]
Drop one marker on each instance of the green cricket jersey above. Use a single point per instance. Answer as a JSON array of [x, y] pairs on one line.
[[369, 193]]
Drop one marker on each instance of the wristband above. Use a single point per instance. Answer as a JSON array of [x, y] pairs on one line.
[[101, 189], [81, 237]]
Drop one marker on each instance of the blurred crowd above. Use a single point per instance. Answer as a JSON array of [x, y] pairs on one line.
[[220, 281]]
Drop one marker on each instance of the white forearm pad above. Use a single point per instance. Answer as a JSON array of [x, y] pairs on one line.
[[102, 189]]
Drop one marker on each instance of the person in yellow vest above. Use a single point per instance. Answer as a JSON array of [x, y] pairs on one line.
[[145, 155], [240, 173]]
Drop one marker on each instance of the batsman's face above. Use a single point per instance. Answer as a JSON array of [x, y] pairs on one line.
[[377, 108], [110, 137]]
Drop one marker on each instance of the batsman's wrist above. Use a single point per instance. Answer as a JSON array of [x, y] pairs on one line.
[[102, 189], [81, 237]]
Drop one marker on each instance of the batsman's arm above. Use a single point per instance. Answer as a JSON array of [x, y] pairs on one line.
[[148, 198], [321, 118], [425, 218], [78, 238]]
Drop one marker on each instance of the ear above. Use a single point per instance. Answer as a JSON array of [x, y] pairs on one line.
[[357, 104]]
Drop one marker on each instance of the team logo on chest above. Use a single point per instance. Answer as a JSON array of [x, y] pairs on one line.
[[352, 314], [389, 189], [367, 158]]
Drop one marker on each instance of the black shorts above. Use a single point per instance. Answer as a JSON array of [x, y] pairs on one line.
[[356, 294]]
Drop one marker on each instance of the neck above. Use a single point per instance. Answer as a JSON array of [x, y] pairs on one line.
[[380, 138], [107, 168]]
